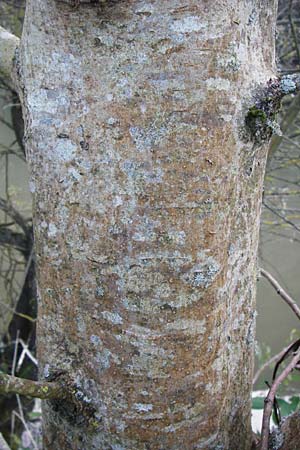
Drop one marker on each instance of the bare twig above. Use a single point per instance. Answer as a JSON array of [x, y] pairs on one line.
[[29, 388], [291, 141], [6, 123], [22, 419], [280, 291], [270, 400], [3, 443], [25, 352], [24, 316], [293, 29], [270, 361], [8, 209], [13, 368], [285, 125], [291, 350], [289, 222]]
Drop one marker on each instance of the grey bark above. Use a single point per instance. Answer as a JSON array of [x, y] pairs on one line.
[[147, 203]]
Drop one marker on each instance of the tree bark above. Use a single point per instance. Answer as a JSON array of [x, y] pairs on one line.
[[147, 200]]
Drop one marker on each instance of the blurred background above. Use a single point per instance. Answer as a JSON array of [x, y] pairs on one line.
[[279, 251]]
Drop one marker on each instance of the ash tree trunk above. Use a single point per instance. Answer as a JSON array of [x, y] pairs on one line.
[[147, 199]]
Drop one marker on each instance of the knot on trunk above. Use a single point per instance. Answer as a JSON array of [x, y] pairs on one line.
[[261, 118], [76, 407]]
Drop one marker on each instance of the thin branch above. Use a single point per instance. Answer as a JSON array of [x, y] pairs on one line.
[[22, 315], [291, 141], [3, 443], [22, 419], [270, 361], [293, 29], [280, 291], [13, 368], [270, 400], [285, 180], [281, 194], [25, 352], [289, 222], [6, 123], [285, 125], [8, 209], [38, 389], [8, 45]]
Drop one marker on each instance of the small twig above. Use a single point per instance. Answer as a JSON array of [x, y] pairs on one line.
[[24, 316], [289, 222], [291, 350], [22, 419], [293, 29], [37, 389], [280, 291], [274, 358], [7, 124], [270, 400], [12, 424], [3, 443], [25, 352], [291, 141], [14, 362], [8, 209]]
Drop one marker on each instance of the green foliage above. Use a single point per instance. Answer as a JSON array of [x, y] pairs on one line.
[[287, 405], [258, 402]]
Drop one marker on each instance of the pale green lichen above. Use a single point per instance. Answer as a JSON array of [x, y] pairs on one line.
[[288, 85]]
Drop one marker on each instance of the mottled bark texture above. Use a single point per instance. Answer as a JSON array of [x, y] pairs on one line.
[[147, 203]]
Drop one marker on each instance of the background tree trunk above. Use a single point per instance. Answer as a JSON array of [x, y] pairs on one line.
[[147, 204]]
